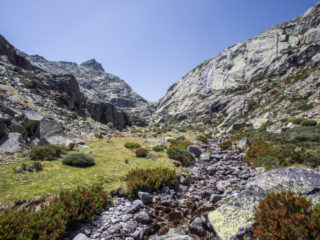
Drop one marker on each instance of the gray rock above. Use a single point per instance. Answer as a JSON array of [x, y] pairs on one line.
[[215, 198], [145, 197], [50, 127], [196, 150], [275, 128], [142, 217], [11, 143], [222, 185], [81, 236], [130, 226], [197, 226], [205, 157], [183, 180], [260, 169], [206, 194], [243, 143], [173, 234], [236, 217], [136, 206], [115, 228], [31, 118]]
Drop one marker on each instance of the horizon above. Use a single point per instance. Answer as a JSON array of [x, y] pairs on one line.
[[150, 45]]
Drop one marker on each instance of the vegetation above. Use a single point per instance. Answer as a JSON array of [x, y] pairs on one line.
[[159, 148], [78, 160], [225, 145], [141, 152], [180, 142], [132, 145], [51, 222], [183, 156], [307, 123], [31, 167], [202, 138], [110, 171], [46, 153], [149, 180], [286, 216]]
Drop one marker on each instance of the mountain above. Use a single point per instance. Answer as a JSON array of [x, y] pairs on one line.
[[99, 86], [270, 76]]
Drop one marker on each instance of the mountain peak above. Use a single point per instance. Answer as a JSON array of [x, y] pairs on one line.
[[92, 64]]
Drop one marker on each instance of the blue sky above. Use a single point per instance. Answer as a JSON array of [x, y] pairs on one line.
[[148, 43]]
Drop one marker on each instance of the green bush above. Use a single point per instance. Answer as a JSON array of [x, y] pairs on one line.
[[67, 210], [297, 137], [46, 153], [309, 123], [31, 167], [78, 160], [159, 148], [131, 145], [141, 152], [269, 162], [225, 145], [286, 216], [148, 180], [181, 138], [202, 138], [180, 143], [185, 157]]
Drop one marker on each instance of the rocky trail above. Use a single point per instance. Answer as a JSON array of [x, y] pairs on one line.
[[179, 213]]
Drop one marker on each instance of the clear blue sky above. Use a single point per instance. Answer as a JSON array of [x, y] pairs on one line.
[[148, 43]]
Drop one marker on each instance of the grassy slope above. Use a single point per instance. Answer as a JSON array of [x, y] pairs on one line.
[[110, 169]]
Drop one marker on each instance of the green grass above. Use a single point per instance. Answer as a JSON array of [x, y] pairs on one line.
[[110, 170]]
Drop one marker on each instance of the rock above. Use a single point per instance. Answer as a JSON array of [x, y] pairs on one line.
[[275, 128], [16, 126], [206, 194], [183, 180], [196, 150], [62, 139], [115, 228], [205, 157], [145, 197], [11, 143], [165, 190], [260, 169], [197, 227], [136, 206], [222, 185], [81, 236], [215, 198], [235, 218], [173, 234], [31, 118], [49, 128], [243, 143], [142, 217]]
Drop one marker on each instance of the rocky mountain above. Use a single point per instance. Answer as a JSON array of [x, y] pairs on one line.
[[99, 86], [268, 77], [37, 104]]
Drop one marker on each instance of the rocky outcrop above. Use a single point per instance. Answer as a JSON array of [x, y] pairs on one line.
[[238, 82], [99, 86], [234, 219]]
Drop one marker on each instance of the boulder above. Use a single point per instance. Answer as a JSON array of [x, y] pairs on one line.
[[197, 226], [31, 118], [11, 143], [243, 143], [234, 219], [145, 197], [81, 236], [196, 150], [50, 127], [142, 217], [275, 128]]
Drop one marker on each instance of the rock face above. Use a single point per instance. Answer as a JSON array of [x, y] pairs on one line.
[[239, 81], [11, 143], [98, 86], [234, 219]]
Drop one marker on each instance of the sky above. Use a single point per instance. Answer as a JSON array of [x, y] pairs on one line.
[[150, 44]]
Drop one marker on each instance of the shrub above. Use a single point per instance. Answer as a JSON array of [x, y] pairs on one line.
[[51, 222], [159, 148], [148, 180], [185, 157], [286, 216], [152, 155], [46, 152], [31, 167], [225, 145], [141, 152], [269, 162], [131, 145], [309, 123], [202, 138], [298, 121], [78, 160], [296, 137], [181, 138], [258, 150], [180, 143]]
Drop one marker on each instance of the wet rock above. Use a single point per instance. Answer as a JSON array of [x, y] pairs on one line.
[[142, 217], [145, 197], [11, 143]]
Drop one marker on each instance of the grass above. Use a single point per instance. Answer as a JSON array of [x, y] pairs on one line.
[[110, 170]]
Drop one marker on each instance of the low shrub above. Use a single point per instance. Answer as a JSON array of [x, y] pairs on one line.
[[296, 137], [51, 222], [78, 160], [286, 216], [31, 167], [309, 123], [185, 157], [202, 138], [269, 162], [152, 155], [258, 150], [149, 180], [297, 121], [225, 145], [159, 148], [181, 138], [46, 152], [141, 152], [131, 145], [180, 143]]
